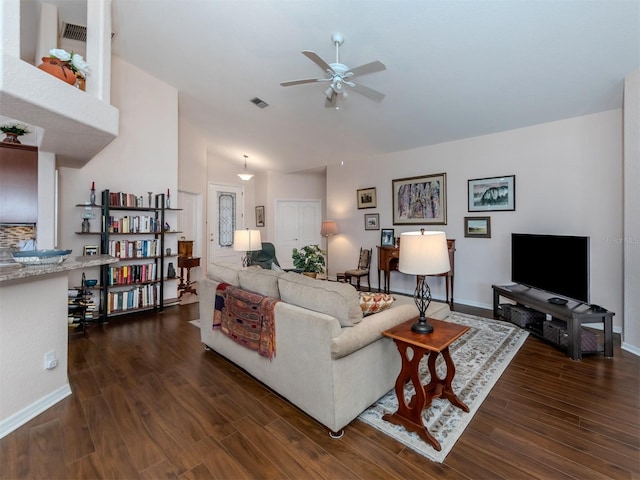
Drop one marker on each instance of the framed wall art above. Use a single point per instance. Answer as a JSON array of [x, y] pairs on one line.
[[367, 198], [387, 238], [260, 216], [420, 200], [492, 194], [372, 221], [90, 250], [478, 227]]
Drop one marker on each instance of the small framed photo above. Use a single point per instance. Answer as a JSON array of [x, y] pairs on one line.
[[260, 216], [90, 250], [387, 237], [372, 221], [478, 227], [492, 194], [367, 198]]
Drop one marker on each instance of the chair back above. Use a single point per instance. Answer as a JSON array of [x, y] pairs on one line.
[[264, 257], [365, 259]]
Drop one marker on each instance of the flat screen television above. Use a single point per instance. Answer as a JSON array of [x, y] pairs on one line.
[[558, 264]]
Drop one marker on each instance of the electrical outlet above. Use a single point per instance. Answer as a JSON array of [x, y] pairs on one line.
[[50, 360]]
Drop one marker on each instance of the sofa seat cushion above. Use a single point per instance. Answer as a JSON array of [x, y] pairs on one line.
[[371, 302], [339, 300], [258, 280]]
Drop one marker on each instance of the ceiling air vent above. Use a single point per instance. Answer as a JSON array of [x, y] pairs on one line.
[[259, 103], [74, 32]]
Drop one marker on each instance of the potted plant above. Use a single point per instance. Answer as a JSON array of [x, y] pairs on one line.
[[309, 259], [13, 130], [68, 67]]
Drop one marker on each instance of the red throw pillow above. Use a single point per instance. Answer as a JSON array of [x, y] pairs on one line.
[[371, 303]]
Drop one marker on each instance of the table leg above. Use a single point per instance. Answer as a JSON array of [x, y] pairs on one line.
[[410, 415], [447, 390], [608, 336]]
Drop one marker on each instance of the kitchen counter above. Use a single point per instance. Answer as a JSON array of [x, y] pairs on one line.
[[16, 271], [33, 323]]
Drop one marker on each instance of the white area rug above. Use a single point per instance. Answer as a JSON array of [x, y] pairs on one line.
[[195, 323], [480, 356]]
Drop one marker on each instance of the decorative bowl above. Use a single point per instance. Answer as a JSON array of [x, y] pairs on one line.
[[40, 257], [90, 282]]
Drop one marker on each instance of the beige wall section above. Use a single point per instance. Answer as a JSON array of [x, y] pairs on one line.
[[143, 158], [631, 336], [568, 179]]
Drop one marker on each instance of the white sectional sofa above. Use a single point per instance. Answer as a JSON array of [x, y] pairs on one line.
[[330, 361]]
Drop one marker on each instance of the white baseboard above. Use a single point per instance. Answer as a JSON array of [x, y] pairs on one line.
[[631, 349], [18, 419]]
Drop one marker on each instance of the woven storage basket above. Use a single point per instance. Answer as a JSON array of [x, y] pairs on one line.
[[504, 311], [523, 316], [556, 332]]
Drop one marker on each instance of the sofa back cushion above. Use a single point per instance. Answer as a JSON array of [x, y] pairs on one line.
[[340, 300], [259, 280], [225, 272]]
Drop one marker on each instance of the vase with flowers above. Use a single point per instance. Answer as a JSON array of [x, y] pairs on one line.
[[68, 67], [12, 131], [309, 259]]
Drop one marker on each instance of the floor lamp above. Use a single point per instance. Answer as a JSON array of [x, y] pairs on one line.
[[423, 253], [329, 228], [246, 241]]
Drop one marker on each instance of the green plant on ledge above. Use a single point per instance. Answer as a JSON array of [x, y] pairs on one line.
[[309, 258], [14, 128]]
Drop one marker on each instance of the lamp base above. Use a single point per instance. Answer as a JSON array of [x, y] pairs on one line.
[[421, 326]]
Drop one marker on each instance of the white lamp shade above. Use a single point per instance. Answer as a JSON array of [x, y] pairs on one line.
[[247, 240], [329, 227], [423, 253]]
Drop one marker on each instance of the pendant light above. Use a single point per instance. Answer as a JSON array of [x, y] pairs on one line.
[[245, 175]]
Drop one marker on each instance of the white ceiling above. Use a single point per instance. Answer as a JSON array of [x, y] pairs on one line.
[[455, 69]]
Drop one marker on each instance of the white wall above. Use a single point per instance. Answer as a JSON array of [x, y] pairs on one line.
[[631, 237], [568, 181], [143, 158]]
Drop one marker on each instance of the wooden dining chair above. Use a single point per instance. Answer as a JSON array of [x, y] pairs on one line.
[[364, 264]]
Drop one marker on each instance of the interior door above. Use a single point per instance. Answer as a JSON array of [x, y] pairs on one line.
[[298, 223], [224, 216]]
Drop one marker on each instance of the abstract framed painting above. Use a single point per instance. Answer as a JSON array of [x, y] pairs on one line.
[[420, 200]]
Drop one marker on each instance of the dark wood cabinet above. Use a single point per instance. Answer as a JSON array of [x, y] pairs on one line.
[[18, 183]]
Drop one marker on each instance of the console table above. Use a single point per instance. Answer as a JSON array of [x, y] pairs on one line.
[[574, 313], [388, 258]]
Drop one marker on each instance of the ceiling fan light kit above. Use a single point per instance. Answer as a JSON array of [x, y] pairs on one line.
[[340, 75]]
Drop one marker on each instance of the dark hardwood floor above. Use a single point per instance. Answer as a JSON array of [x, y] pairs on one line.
[[149, 402]]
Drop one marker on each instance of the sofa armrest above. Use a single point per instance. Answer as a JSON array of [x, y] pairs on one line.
[[371, 327]]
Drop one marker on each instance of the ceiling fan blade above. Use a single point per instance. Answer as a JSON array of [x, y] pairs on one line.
[[315, 58], [367, 68], [300, 82], [368, 92], [331, 102]]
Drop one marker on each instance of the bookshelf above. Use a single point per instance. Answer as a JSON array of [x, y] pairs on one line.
[[135, 235]]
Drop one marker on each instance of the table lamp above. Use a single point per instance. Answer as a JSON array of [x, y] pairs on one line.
[[423, 253], [246, 241], [328, 228]]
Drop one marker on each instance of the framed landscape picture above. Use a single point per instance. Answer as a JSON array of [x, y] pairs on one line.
[[492, 194], [420, 200], [367, 198], [478, 227], [372, 221]]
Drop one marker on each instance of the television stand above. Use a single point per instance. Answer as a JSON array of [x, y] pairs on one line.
[[574, 313]]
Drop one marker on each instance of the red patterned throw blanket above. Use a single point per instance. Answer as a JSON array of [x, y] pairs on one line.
[[247, 318]]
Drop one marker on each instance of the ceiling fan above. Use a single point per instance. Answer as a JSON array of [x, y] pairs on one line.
[[340, 75]]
